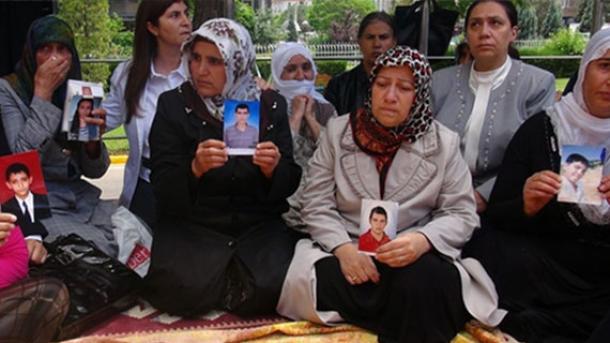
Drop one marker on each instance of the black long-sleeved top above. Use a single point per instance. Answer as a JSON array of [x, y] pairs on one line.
[[347, 91]]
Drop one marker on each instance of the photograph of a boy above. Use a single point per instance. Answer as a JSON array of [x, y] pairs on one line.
[[241, 133], [27, 206], [375, 236], [572, 186]]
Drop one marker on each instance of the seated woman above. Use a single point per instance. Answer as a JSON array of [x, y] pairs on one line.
[[220, 241], [486, 101], [347, 91], [293, 73], [156, 66], [31, 106], [415, 289], [549, 259]]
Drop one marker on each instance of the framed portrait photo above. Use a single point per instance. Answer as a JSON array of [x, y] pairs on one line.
[[378, 221], [81, 99], [241, 126], [581, 173]]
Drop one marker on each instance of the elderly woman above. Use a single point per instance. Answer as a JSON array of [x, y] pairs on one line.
[[549, 260], [220, 241], [31, 104], [293, 73], [415, 288], [486, 101]]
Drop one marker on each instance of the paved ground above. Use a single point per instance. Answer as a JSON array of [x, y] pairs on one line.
[[111, 183]]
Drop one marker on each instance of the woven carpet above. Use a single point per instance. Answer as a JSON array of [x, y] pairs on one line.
[[143, 323]]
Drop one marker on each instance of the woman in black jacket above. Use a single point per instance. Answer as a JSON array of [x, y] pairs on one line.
[[220, 242]]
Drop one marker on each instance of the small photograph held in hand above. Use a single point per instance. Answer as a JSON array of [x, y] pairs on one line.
[[81, 99], [378, 221], [241, 126], [24, 193], [581, 173]]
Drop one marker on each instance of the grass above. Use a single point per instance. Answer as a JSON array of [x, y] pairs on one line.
[[121, 147]]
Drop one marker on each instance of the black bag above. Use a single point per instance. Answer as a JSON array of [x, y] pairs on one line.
[[100, 286], [407, 20]]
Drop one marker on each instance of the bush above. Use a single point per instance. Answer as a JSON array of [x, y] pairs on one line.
[[565, 42], [324, 67]]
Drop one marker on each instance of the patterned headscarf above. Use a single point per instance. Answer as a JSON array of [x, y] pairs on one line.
[[48, 29], [379, 141], [234, 43], [291, 88]]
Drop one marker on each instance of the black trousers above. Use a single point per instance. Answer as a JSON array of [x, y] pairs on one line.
[[555, 289], [420, 303], [143, 202]]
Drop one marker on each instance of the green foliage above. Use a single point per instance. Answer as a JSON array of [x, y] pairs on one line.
[[94, 30], [323, 13], [586, 16], [552, 21], [266, 28], [331, 67], [565, 42], [122, 41], [244, 14], [528, 23], [293, 35]]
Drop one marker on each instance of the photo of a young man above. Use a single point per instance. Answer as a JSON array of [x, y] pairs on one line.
[[375, 236], [378, 221], [27, 206], [581, 173], [240, 135]]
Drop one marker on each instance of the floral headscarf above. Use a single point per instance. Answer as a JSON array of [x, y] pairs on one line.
[[291, 88], [379, 141], [234, 43], [48, 29]]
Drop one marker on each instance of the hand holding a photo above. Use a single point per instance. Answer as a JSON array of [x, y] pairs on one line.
[[36, 251], [97, 118], [356, 267], [604, 188], [7, 223], [403, 250], [50, 75], [538, 190], [210, 154], [266, 157]]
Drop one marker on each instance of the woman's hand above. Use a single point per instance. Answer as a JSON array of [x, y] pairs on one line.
[[310, 117], [7, 223], [357, 268], [36, 251], [538, 190], [481, 202], [50, 75], [98, 118], [403, 250], [210, 154], [604, 188], [266, 157]]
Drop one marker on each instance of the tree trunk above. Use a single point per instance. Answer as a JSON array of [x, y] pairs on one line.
[[208, 9]]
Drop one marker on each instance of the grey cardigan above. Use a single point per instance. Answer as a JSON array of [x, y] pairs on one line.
[[430, 182], [75, 204], [526, 91]]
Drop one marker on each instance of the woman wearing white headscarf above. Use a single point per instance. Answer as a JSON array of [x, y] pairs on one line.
[[220, 241], [293, 72], [549, 260]]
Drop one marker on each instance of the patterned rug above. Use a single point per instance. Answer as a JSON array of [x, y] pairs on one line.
[[143, 323]]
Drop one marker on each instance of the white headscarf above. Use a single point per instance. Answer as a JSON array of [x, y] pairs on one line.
[[234, 43], [575, 125], [291, 88]]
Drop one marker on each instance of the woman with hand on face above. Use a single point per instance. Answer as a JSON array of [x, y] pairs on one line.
[[31, 106], [415, 289], [220, 241], [155, 67], [347, 91], [486, 101], [549, 260], [293, 73]]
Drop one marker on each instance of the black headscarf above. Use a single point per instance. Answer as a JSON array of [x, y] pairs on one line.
[[48, 29]]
